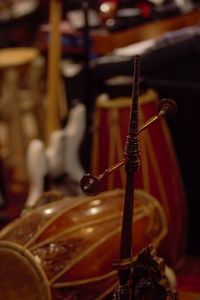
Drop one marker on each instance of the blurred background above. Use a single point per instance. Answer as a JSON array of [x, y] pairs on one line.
[[57, 58]]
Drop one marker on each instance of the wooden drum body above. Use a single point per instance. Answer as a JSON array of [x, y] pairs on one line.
[[159, 172], [65, 250]]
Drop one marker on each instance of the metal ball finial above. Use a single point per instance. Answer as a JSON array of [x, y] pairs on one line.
[[167, 107], [90, 185]]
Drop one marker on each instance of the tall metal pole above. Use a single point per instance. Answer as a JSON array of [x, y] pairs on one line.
[[131, 151]]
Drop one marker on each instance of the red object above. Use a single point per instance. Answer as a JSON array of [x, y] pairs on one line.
[[146, 9], [159, 171]]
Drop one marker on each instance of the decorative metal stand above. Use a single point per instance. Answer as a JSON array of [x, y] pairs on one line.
[[144, 280]]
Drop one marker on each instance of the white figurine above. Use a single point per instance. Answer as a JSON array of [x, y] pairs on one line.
[[61, 156]]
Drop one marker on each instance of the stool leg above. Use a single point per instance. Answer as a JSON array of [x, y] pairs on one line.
[[10, 95], [36, 74]]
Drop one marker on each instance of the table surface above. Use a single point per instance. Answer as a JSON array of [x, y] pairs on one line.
[[105, 42]]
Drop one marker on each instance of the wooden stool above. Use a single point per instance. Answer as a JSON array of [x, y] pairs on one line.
[[20, 100]]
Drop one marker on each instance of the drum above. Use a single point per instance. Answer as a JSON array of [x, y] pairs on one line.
[[159, 172], [64, 250]]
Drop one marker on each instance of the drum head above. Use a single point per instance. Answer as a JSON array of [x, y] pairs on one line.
[[20, 276]]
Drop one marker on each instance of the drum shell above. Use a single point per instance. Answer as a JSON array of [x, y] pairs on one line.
[[74, 241], [159, 172]]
